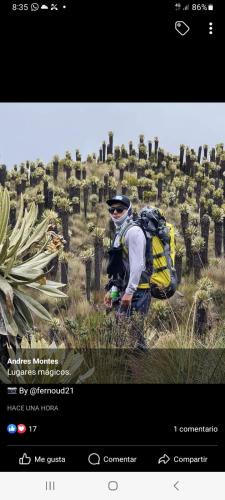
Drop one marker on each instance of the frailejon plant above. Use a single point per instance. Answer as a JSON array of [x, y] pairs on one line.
[[190, 233], [64, 210], [23, 271], [98, 235], [217, 216], [205, 225], [178, 261], [76, 205], [198, 244], [64, 264], [87, 258], [110, 149], [101, 192], [12, 213]]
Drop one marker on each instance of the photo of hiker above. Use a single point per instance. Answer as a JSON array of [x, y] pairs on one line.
[[112, 241], [131, 261]]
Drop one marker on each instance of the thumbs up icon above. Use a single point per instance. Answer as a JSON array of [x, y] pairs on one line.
[[24, 460]]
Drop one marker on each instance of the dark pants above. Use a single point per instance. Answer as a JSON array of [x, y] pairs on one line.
[[135, 315]]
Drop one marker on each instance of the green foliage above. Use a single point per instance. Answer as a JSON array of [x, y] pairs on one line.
[[13, 204], [198, 244], [39, 198], [149, 196], [18, 277], [93, 180], [64, 204], [75, 200], [148, 173], [130, 179], [217, 213], [52, 216], [73, 181], [59, 191], [87, 255], [160, 313], [93, 199], [145, 182], [191, 231], [174, 180], [180, 250], [194, 219]]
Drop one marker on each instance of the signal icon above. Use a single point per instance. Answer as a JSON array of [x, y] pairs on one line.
[[186, 7]]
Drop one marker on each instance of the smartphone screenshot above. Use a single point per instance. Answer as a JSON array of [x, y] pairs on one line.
[[112, 246]]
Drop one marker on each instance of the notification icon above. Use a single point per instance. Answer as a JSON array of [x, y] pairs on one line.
[[21, 428]]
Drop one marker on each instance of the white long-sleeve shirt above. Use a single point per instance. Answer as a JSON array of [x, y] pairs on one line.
[[135, 242]]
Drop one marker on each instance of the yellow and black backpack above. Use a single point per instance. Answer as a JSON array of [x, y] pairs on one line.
[[160, 252]]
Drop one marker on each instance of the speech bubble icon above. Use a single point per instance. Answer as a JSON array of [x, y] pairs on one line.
[[94, 459]]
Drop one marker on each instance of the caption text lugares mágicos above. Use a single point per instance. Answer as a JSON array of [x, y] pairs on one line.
[[29, 373]]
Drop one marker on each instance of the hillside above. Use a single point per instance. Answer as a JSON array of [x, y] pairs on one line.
[[189, 188]]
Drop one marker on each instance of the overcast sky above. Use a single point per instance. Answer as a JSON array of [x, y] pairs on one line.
[[39, 130]]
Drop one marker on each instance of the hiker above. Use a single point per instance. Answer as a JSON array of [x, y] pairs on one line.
[[128, 288]]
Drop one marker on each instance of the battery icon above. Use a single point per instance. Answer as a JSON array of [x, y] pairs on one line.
[[210, 6]]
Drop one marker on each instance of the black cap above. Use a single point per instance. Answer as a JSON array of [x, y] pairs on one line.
[[119, 198]]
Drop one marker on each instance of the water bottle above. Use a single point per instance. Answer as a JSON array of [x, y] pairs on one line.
[[114, 293]]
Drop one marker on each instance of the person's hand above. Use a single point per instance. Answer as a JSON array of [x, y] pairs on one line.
[[126, 299], [108, 300]]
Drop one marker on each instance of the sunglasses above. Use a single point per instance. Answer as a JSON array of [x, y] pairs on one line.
[[119, 210]]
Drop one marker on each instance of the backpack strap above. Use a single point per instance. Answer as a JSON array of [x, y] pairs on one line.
[[148, 251], [122, 233]]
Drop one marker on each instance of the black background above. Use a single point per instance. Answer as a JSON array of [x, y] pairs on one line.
[[104, 53], [116, 420]]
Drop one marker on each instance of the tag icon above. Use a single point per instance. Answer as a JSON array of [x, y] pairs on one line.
[[181, 27]]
